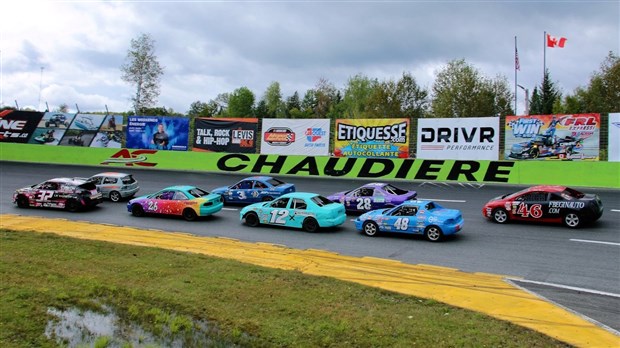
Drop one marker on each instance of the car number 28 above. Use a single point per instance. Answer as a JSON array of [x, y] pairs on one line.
[[278, 216], [363, 204]]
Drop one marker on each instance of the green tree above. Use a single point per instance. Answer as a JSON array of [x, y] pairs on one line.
[[460, 91], [413, 99], [241, 103], [273, 100], [357, 96], [293, 103], [261, 110], [384, 101], [546, 95], [63, 108], [327, 97], [309, 103], [143, 71]]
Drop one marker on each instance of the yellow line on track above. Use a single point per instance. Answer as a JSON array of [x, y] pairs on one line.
[[482, 292]]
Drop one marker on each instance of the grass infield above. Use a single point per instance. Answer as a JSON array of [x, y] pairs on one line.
[[169, 293]]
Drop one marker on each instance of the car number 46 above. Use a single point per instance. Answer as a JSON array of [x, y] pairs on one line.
[[278, 217], [535, 210]]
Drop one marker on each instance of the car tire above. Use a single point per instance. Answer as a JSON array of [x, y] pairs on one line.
[[22, 202], [223, 198], [137, 210], [370, 228], [115, 196], [499, 216], [189, 214], [72, 205], [267, 199], [433, 233], [534, 153], [310, 225], [572, 220], [251, 219]]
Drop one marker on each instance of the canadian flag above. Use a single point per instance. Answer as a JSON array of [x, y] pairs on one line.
[[553, 41]]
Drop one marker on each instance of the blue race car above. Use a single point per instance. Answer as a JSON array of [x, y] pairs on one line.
[[309, 211], [413, 217], [254, 189]]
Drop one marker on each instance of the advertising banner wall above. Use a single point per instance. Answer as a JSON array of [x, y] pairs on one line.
[[553, 137], [18, 126], [234, 135], [295, 137], [51, 128], [475, 138], [613, 152], [110, 133], [157, 132], [380, 137]]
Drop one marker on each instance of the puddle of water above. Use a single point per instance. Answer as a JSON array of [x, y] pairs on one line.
[[79, 328]]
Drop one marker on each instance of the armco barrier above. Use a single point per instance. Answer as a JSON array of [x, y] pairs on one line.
[[578, 173]]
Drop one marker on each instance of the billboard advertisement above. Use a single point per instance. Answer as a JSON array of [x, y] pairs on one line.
[[295, 137], [471, 138], [18, 126], [51, 128], [613, 153], [552, 137], [233, 135], [157, 132], [380, 137]]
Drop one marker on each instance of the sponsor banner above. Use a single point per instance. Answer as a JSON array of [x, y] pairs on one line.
[[82, 130], [475, 138], [52, 128], [613, 152], [571, 173], [110, 134], [157, 132], [295, 137], [553, 137], [18, 126], [372, 138], [234, 135]]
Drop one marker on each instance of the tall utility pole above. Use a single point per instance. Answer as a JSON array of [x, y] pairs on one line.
[[40, 87], [527, 99]]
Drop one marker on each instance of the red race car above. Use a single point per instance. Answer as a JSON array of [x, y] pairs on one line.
[[552, 204]]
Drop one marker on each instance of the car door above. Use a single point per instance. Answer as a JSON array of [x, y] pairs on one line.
[[278, 212], [403, 219], [241, 191], [257, 191], [299, 211], [46, 195], [530, 206], [362, 199], [160, 202]]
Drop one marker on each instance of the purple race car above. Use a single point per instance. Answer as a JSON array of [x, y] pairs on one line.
[[372, 196]]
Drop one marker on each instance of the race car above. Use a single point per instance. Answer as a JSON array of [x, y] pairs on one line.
[[545, 203], [115, 186], [372, 196], [545, 145], [305, 210], [190, 202], [412, 217], [254, 189], [63, 193]]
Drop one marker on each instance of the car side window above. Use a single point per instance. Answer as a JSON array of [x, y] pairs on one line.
[[366, 192], [259, 185], [299, 204], [165, 195], [49, 186], [109, 180], [280, 203], [96, 179], [555, 197], [180, 196]]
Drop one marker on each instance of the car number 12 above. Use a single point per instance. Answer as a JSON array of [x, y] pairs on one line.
[[278, 217]]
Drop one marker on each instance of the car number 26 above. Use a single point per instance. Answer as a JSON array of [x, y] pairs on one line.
[[278, 216]]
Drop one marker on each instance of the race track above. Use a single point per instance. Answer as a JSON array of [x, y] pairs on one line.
[[579, 269]]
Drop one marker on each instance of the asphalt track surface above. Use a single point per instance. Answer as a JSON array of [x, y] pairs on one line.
[[577, 269]]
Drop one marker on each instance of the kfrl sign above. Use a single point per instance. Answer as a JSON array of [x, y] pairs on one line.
[[473, 138]]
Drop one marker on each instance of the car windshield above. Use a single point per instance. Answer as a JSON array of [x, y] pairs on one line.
[[515, 194], [394, 190], [275, 182], [321, 201], [128, 179], [197, 192]]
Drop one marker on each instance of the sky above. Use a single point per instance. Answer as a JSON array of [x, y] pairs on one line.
[[70, 52]]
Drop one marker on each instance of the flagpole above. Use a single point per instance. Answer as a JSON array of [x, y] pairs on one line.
[[516, 57], [544, 54]]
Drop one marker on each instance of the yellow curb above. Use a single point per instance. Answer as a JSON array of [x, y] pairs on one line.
[[482, 292]]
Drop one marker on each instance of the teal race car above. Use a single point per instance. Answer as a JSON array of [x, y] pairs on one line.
[[412, 217], [309, 211]]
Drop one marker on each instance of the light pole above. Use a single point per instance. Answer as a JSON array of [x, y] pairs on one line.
[[527, 99], [40, 86]]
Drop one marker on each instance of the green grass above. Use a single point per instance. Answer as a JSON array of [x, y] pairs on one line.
[[167, 292]]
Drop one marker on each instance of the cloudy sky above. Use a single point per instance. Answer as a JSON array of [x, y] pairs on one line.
[[71, 51]]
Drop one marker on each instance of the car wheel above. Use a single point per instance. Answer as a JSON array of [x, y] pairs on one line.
[[72, 205], [500, 216], [310, 225], [534, 153], [189, 214], [572, 220], [251, 219], [223, 198], [370, 228], [22, 202], [433, 234], [115, 196], [137, 210], [267, 199]]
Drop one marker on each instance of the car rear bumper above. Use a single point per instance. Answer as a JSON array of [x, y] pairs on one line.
[[333, 221], [211, 209]]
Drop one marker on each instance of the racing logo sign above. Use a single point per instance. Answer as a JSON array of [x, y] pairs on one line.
[[308, 137], [472, 138], [18, 126], [372, 138]]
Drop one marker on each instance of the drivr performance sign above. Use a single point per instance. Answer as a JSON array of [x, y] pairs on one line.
[[235, 135], [474, 138], [372, 138]]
